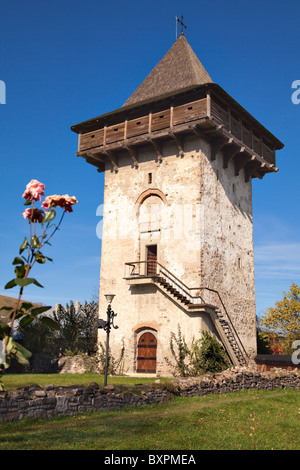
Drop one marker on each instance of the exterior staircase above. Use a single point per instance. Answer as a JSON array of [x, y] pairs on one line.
[[192, 299]]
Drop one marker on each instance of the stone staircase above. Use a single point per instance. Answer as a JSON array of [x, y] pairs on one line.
[[194, 299], [221, 319], [241, 357]]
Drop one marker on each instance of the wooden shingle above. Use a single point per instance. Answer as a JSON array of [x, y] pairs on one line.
[[178, 69]]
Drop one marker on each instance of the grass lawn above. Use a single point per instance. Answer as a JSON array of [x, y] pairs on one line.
[[13, 381], [243, 420]]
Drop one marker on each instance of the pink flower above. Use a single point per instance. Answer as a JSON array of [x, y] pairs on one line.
[[64, 201], [34, 190], [33, 215]]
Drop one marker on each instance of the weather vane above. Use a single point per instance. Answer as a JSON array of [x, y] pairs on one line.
[[182, 24]]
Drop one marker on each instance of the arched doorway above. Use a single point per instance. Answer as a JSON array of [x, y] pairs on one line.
[[146, 358]]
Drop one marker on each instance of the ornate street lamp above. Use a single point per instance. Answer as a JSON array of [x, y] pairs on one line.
[[106, 325]]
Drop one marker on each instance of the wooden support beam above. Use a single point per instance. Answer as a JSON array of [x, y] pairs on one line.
[[96, 156], [199, 133], [157, 147], [217, 127], [258, 174], [81, 154], [113, 160], [251, 168], [229, 154], [217, 145], [241, 161], [179, 142], [133, 153], [98, 164]]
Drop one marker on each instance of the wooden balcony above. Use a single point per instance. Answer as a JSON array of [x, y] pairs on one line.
[[206, 111]]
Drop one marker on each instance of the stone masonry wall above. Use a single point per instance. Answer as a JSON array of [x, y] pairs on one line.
[[39, 403], [204, 236]]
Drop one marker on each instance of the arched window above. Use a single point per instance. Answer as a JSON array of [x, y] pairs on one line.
[[148, 209]]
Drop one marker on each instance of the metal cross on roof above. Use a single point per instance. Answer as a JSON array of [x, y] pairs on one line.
[[182, 24]]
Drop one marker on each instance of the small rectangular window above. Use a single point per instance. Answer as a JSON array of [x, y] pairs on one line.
[[149, 178]]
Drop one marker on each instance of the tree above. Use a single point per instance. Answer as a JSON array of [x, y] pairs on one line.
[[262, 338], [39, 338], [78, 327], [284, 319]]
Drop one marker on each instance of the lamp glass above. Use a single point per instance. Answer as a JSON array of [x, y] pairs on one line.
[[109, 297]]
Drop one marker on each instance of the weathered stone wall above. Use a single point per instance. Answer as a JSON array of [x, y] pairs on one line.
[[143, 307], [37, 402], [227, 261], [204, 237]]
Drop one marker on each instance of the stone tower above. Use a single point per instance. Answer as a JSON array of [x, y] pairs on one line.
[[177, 245]]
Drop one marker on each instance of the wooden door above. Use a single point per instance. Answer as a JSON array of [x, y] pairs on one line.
[[151, 260], [146, 360]]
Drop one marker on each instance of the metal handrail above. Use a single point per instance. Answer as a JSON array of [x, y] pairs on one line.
[[181, 285]]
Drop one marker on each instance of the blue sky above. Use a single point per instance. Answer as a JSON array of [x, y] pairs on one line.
[[67, 61]]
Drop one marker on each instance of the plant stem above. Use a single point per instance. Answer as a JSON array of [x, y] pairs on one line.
[[56, 228], [19, 298], [31, 262]]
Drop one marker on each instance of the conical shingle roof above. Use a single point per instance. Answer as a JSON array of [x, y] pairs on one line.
[[178, 69]]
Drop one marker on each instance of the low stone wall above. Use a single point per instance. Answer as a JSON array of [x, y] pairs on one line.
[[37, 402], [238, 379]]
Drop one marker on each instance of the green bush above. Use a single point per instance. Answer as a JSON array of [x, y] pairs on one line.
[[204, 355], [208, 355]]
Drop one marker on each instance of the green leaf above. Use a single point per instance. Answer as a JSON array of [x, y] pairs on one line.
[[26, 306], [4, 329], [49, 215], [15, 350], [51, 323], [35, 243], [7, 362], [23, 246], [6, 308], [27, 203], [26, 282], [40, 258], [20, 271], [17, 260], [23, 282], [27, 319], [38, 310], [37, 283], [10, 284], [18, 314], [10, 345]]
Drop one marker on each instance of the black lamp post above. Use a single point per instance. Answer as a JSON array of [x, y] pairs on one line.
[[106, 325]]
